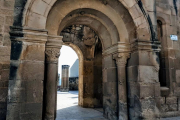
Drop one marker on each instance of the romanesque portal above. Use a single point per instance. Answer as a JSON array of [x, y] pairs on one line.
[[128, 51]]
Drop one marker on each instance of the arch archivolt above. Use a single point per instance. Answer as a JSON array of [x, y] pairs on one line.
[[108, 34], [126, 16]]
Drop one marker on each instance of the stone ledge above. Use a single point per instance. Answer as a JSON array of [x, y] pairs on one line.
[[117, 48], [28, 34], [143, 45]]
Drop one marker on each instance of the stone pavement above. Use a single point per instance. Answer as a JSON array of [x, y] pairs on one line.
[[68, 109], [171, 118]]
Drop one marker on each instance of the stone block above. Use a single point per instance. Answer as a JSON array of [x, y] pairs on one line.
[[149, 104], [1, 38], [157, 91], [148, 74], [178, 76], [177, 91], [134, 59], [6, 41], [3, 110], [39, 10], [112, 75], [162, 100], [6, 12], [5, 65], [108, 62], [146, 91], [31, 108], [5, 51], [133, 89], [131, 102], [34, 91], [9, 20], [31, 116], [37, 21], [3, 94], [8, 4], [171, 100], [164, 108], [132, 74], [1, 20], [31, 71], [5, 75], [3, 84], [33, 52], [5, 59], [173, 107]]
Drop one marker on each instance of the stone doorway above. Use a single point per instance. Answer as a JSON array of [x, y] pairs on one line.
[[88, 47], [35, 46]]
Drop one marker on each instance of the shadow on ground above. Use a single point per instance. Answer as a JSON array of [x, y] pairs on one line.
[[68, 109]]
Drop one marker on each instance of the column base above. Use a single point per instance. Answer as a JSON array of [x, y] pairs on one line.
[[64, 89]]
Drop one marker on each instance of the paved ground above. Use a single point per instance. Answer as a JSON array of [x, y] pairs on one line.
[[172, 118], [68, 108]]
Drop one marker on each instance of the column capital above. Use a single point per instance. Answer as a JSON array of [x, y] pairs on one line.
[[52, 54], [121, 58], [53, 46]]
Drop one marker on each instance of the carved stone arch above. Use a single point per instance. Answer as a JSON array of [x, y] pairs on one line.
[[139, 20], [107, 35]]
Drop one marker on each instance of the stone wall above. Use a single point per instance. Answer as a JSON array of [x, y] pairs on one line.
[[168, 16], [73, 83], [6, 20], [167, 97]]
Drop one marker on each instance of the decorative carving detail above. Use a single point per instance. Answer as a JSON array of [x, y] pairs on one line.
[[90, 38], [52, 54], [121, 58]]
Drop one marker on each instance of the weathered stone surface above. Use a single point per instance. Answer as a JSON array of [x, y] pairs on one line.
[[96, 27]]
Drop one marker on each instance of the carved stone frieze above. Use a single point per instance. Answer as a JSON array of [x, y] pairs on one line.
[[52, 54], [121, 58]]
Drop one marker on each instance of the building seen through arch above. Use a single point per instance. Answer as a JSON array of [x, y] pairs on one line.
[[128, 51]]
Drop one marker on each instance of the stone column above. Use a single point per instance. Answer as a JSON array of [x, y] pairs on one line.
[[121, 60], [52, 53], [65, 78]]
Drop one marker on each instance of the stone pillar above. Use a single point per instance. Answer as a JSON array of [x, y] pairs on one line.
[[25, 91], [65, 78], [121, 60], [143, 82], [52, 52]]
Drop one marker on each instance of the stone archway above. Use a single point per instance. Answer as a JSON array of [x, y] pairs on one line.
[[122, 28]]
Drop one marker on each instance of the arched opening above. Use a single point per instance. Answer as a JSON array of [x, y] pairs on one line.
[[116, 27], [86, 43], [163, 57], [162, 71]]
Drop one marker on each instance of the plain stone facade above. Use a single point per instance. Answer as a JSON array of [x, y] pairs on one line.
[[128, 63]]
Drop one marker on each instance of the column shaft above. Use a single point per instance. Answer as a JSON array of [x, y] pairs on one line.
[[121, 60], [50, 90], [52, 54]]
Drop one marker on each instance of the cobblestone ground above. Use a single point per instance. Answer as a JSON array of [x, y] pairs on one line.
[[68, 109]]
